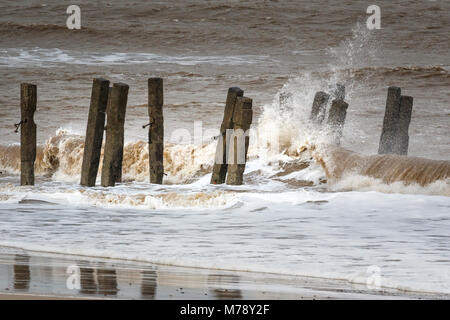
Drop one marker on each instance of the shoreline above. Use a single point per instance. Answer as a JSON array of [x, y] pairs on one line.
[[28, 275]]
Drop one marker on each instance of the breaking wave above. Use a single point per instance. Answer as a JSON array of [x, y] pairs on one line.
[[61, 158]]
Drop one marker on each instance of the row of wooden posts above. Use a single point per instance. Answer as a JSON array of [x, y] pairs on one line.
[[109, 104]]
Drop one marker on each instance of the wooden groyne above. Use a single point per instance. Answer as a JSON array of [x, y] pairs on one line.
[[397, 118]]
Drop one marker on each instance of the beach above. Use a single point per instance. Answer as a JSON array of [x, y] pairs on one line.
[[27, 275]]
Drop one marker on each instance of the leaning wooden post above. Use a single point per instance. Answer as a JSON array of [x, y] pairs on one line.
[[156, 129], [28, 99], [390, 122], [220, 163], [94, 132], [406, 104], [113, 153], [239, 140], [338, 91], [319, 107], [336, 119]]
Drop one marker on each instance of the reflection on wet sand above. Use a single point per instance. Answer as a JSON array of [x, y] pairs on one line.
[[22, 274], [149, 284], [98, 281], [219, 281]]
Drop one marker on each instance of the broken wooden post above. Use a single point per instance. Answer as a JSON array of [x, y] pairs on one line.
[[220, 166], [406, 104], [336, 119], [113, 152], [156, 129], [239, 140], [319, 107], [94, 132], [390, 122], [28, 100]]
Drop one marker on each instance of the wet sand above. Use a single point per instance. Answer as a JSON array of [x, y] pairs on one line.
[[26, 275]]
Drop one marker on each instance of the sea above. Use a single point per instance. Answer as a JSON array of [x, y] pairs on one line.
[[307, 207]]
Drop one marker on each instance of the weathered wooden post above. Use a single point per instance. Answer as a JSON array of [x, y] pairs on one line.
[[28, 100], [88, 282], [239, 140], [94, 132], [319, 107], [220, 166], [390, 122], [336, 119], [338, 91], [406, 104], [156, 129], [113, 153]]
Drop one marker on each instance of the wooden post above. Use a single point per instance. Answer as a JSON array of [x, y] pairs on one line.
[[319, 107], [336, 119], [338, 91], [239, 140], [406, 104], [113, 153], [156, 129], [390, 122], [220, 166], [286, 101], [94, 132], [28, 100]]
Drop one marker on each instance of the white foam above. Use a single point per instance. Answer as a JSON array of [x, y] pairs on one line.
[[331, 235]]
